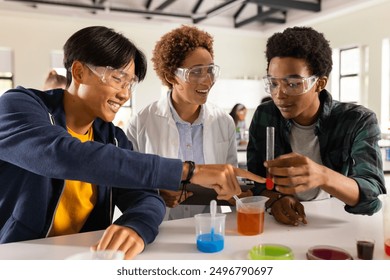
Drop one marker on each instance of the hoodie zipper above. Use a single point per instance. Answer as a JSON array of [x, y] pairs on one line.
[[111, 208], [52, 121]]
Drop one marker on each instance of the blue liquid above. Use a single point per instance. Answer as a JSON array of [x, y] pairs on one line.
[[210, 242]]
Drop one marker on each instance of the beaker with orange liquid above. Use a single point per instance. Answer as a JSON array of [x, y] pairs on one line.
[[250, 215]]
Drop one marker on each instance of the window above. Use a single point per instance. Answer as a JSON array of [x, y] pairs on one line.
[[349, 74], [349, 80], [57, 63], [385, 86], [6, 70]]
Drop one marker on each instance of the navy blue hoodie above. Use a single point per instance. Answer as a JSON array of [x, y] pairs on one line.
[[37, 154]]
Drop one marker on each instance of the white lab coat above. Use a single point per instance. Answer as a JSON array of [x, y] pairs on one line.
[[153, 130]]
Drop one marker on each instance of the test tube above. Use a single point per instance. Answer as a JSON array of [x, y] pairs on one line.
[[270, 150]]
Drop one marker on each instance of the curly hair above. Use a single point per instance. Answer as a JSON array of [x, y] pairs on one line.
[[304, 43], [173, 48]]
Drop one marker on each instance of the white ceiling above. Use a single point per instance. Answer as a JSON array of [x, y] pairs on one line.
[[216, 13]]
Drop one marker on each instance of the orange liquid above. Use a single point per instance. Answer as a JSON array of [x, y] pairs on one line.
[[250, 223], [387, 247]]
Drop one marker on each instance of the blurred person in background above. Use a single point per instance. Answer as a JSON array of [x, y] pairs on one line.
[[54, 80], [238, 113]]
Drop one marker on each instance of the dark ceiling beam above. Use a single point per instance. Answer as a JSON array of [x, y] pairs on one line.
[[165, 4], [271, 8], [196, 7], [112, 9], [239, 11], [147, 7], [261, 16], [289, 4], [98, 2], [148, 4], [275, 20], [72, 5], [150, 13], [161, 7], [217, 10]]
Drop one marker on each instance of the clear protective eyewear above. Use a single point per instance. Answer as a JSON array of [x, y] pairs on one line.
[[198, 74], [114, 78], [292, 86]]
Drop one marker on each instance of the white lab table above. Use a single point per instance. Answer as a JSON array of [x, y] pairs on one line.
[[328, 224]]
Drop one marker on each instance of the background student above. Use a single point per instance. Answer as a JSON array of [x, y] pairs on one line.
[[238, 113], [54, 80]]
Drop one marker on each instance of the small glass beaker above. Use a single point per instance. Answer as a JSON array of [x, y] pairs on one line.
[[385, 199]]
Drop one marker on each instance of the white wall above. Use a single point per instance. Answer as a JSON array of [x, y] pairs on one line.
[[367, 27], [239, 53], [33, 37]]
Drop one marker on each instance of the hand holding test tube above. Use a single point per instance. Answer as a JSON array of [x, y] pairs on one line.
[[270, 142]]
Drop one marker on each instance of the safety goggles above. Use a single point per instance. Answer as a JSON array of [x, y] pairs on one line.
[[114, 78], [198, 74], [290, 85]]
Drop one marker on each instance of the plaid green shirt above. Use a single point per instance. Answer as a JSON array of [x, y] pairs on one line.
[[348, 135]]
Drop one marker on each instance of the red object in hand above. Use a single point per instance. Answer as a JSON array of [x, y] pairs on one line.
[[268, 182]]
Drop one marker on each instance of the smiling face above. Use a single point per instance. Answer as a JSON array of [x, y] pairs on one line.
[[90, 97], [106, 101], [303, 109], [187, 93]]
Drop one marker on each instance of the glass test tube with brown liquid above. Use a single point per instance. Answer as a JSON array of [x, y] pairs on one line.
[[270, 150]]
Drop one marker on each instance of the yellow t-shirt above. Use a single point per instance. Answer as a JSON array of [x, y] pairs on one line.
[[77, 200]]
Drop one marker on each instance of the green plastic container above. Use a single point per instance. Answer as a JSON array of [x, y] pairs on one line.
[[271, 252]]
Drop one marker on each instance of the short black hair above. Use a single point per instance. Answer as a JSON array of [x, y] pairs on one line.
[[102, 46], [304, 43]]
